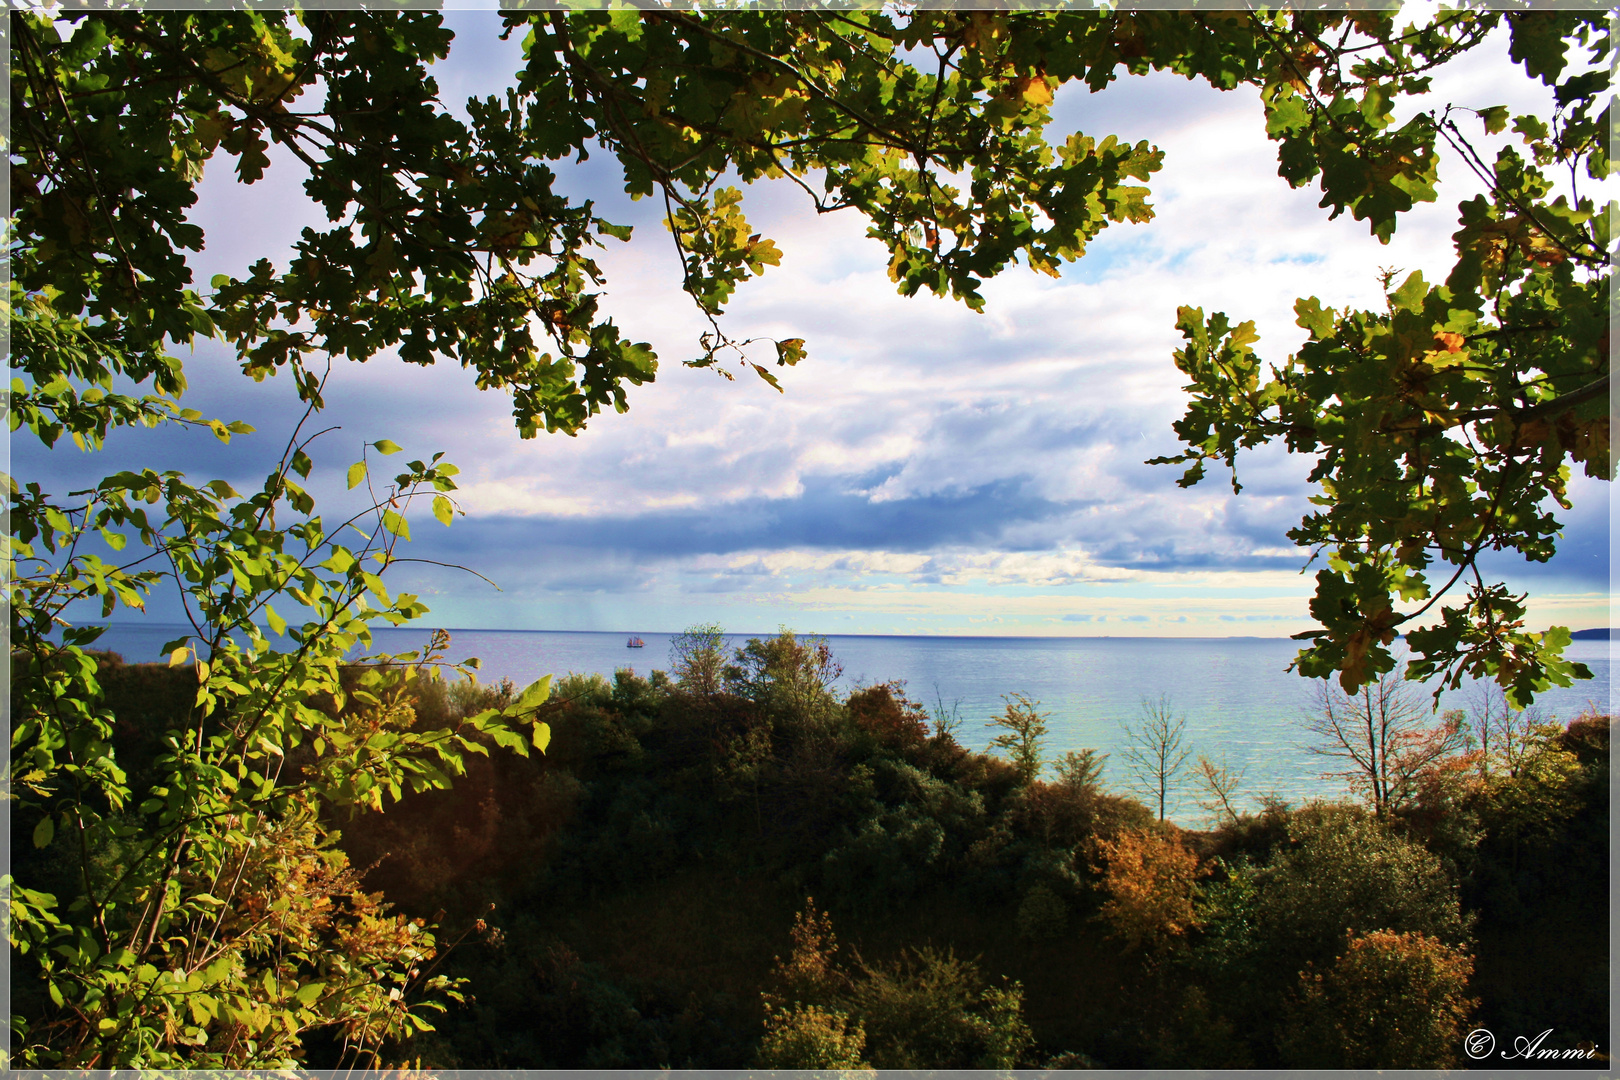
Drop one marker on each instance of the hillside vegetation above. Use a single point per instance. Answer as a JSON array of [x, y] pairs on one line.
[[732, 865]]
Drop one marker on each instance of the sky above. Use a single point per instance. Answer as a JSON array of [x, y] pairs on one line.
[[927, 470]]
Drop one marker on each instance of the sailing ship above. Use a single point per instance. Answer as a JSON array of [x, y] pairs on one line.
[[635, 643]]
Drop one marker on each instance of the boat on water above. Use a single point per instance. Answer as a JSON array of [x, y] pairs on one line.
[[635, 643]]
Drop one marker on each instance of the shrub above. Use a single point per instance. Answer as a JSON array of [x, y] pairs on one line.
[[931, 1010], [890, 854], [884, 712], [1148, 877], [925, 1010], [1042, 915], [1340, 873], [1391, 1001], [1345, 872], [811, 1037]]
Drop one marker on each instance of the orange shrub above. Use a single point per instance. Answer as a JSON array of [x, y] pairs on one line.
[[1148, 875]]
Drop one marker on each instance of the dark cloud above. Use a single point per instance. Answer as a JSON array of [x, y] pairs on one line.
[[826, 516]]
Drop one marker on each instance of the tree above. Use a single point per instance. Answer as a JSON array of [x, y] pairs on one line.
[[1219, 783], [697, 656], [792, 678], [1444, 425], [1155, 752], [1506, 737], [1023, 728], [1081, 770], [1382, 737]]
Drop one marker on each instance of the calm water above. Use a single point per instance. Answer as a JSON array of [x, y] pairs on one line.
[[1237, 697]]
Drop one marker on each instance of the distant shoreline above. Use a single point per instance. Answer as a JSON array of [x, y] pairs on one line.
[[1594, 634]]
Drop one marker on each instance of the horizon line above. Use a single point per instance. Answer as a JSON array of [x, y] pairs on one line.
[[812, 633]]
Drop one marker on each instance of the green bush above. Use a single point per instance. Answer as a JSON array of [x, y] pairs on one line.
[[810, 1037], [926, 1009], [1341, 873], [1042, 915], [1390, 1001], [930, 1010]]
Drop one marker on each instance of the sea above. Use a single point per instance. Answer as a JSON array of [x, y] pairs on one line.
[[1242, 706]]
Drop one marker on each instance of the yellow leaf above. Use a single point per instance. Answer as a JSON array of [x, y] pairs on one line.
[[1035, 91]]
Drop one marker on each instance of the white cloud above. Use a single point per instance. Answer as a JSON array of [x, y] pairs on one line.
[[1052, 399]]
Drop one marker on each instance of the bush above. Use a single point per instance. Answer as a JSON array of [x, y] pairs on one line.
[[925, 1010], [1148, 877], [1340, 874], [1391, 1001], [810, 1037], [930, 1010], [884, 712], [1042, 915], [891, 854]]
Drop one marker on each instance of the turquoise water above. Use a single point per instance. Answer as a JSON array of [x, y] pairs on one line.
[[1239, 701]]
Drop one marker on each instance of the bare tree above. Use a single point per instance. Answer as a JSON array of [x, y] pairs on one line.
[[947, 719], [1384, 736], [1219, 783], [1506, 737], [1155, 751]]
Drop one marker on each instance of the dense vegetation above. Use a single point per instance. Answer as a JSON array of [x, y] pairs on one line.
[[733, 865]]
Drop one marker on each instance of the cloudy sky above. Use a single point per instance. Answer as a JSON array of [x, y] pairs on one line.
[[928, 470]]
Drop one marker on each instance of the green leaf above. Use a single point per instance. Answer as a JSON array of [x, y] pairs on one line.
[[385, 446], [307, 993], [533, 696], [44, 832], [442, 509], [277, 623], [396, 524], [541, 736], [1409, 297], [357, 473]]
